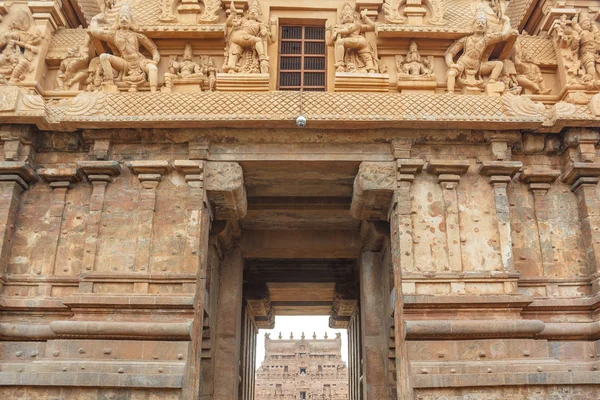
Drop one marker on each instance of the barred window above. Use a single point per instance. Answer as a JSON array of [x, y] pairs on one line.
[[302, 61]]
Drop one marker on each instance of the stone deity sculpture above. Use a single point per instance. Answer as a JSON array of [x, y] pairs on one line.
[[528, 73], [588, 37], [247, 41], [470, 66], [73, 69], [413, 64], [124, 36], [189, 70], [353, 53], [18, 49]]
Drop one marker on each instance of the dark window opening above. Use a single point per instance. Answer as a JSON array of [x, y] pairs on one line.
[[302, 58]]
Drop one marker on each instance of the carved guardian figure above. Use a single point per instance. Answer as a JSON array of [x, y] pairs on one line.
[[470, 68], [18, 49], [133, 64], [247, 38], [353, 53]]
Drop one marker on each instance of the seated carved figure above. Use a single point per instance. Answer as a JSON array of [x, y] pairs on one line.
[[187, 69], [18, 48], [134, 65], [413, 64], [350, 42], [73, 69], [528, 74], [248, 37], [470, 67]]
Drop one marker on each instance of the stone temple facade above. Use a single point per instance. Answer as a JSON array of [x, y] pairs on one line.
[[302, 369], [176, 173]]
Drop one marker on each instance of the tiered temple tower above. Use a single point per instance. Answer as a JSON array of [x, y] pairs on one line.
[[302, 369]]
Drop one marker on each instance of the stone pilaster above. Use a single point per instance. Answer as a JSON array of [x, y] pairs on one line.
[[149, 174], [59, 180], [500, 174], [99, 174], [199, 217], [449, 172], [539, 181], [15, 177], [400, 218], [229, 320], [374, 335], [583, 178]]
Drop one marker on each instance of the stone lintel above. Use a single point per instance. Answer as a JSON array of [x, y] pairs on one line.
[[374, 187], [145, 167], [448, 167], [580, 170], [93, 169], [224, 183], [20, 169], [500, 168], [539, 176], [68, 175]]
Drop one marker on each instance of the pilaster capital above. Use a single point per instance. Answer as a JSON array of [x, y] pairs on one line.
[[60, 177], [19, 172], [584, 140], [448, 171], [49, 11], [539, 180], [149, 172], [580, 174], [374, 186], [407, 168], [99, 170], [500, 172]]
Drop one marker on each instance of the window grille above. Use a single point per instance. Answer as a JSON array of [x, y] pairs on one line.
[[302, 58]]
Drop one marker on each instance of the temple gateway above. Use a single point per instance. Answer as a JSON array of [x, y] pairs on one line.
[[176, 173]]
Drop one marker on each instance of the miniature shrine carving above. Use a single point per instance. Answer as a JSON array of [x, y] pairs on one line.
[[470, 68], [197, 74], [415, 71], [135, 68], [74, 68], [247, 40], [394, 15], [19, 47], [353, 53]]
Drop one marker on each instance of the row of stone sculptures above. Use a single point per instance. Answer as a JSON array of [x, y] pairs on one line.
[[246, 52]]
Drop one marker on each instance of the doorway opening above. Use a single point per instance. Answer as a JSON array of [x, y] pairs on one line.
[[308, 362]]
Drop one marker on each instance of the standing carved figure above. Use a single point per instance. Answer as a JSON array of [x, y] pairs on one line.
[[351, 46], [248, 37], [470, 67], [18, 49], [588, 36], [73, 69], [124, 36], [528, 73]]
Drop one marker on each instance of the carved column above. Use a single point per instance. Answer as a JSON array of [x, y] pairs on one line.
[[60, 180], [229, 325], [583, 178], [400, 218], [500, 174], [449, 172], [539, 182], [149, 173], [15, 177], [99, 173]]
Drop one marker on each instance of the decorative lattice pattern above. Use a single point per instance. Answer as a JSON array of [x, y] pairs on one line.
[[65, 38], [541, 47], [517, 12]]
